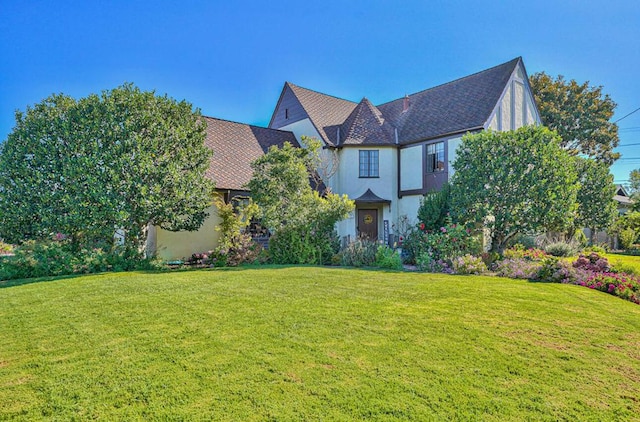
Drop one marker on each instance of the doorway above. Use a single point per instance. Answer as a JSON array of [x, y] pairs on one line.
[[368, 224]]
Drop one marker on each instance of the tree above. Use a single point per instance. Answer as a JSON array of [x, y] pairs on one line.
[[292, 209], [596, 208], [435, 208], [579, 113], [634, 182], [514, 182], [120, 160]]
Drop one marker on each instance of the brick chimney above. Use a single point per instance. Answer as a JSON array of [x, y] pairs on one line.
[[405, 103]]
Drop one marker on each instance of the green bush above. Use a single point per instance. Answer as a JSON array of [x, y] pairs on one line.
[[5, 248], [627, 238], [361, 253], [302, 245], [434, 209], [561, 249], [388, 258], [594, 248], [53, 258]]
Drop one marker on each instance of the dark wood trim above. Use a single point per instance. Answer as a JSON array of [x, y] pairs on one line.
[[402, 193]]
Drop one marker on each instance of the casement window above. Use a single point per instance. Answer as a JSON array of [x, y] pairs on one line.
[[435, 157], [369, 163]]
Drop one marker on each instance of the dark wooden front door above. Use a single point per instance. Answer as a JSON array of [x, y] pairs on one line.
[[368, 224]]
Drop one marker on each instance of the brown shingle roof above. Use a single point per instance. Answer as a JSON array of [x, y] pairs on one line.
[[366, 126], [235, 146], [454, 107], [326, 112]]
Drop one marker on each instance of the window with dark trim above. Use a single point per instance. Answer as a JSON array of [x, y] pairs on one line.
[[435, 157], [369, 163]]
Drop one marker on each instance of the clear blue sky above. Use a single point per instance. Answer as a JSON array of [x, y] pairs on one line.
[[231, 58]]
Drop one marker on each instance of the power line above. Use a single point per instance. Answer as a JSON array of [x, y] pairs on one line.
[[625, 116]]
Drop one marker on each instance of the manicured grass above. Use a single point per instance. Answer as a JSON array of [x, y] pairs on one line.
[[312, 343], [632, 261]]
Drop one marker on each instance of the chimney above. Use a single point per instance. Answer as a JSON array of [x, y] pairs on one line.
[[405, 103]]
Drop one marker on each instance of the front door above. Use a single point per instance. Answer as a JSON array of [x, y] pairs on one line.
[[368, 224]]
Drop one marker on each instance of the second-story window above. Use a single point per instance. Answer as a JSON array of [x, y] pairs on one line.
[[435, 157], [369, 163]]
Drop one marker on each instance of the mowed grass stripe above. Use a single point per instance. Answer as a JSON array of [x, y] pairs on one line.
[[296, 343]]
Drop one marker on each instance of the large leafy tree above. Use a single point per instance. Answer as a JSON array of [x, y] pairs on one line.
[[596, 208], [579, 113], [303, 220], [514, 182], [120, 160]]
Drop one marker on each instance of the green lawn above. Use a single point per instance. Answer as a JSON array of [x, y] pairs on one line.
[[632, 261], [315, 344]]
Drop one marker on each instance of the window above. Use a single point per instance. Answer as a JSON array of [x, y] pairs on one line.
[[435, 157], [369, 163]]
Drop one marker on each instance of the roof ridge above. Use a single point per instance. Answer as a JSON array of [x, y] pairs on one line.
[[318, 92], [517, 59], [245, 124]]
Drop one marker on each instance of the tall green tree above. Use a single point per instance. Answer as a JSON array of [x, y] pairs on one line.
[[596, 208], [302, 219], [514, 182], [119, 160], [580, 114]]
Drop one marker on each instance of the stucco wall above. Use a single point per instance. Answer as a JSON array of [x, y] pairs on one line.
[[408, 206], [179, 245], [301, 128], [411, 168], [452, 147], [347, 181]]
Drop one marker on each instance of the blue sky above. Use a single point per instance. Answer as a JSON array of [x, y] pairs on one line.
[[231, 58]]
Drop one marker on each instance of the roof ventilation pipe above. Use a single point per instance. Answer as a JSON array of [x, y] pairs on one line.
[[338, 137], [395, 130]]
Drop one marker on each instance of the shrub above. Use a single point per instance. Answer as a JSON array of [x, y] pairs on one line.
[[434, 209], [518, 251], [428, 263], [627, 237], [468, 264], [561, 249], [301, 245], [595, 248], [5, 248], [53, 258], [592, 262], [555, 270], [388, 258], [618, 284], [236, 246], [517, 268], [360, 253]]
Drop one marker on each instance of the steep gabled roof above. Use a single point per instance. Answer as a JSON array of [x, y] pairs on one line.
[[325, 111], [235, 146], [455, 107], [366, 126]]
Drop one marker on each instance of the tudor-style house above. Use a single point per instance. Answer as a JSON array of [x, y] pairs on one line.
[[388, 156]]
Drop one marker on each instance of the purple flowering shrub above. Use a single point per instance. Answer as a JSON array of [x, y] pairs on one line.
[[592, 262], [426, 262], [517, 268], [468, 264]]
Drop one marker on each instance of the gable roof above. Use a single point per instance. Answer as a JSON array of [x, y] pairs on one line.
[[454, 107], [365, 126], [235, 146], [325, 111]]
